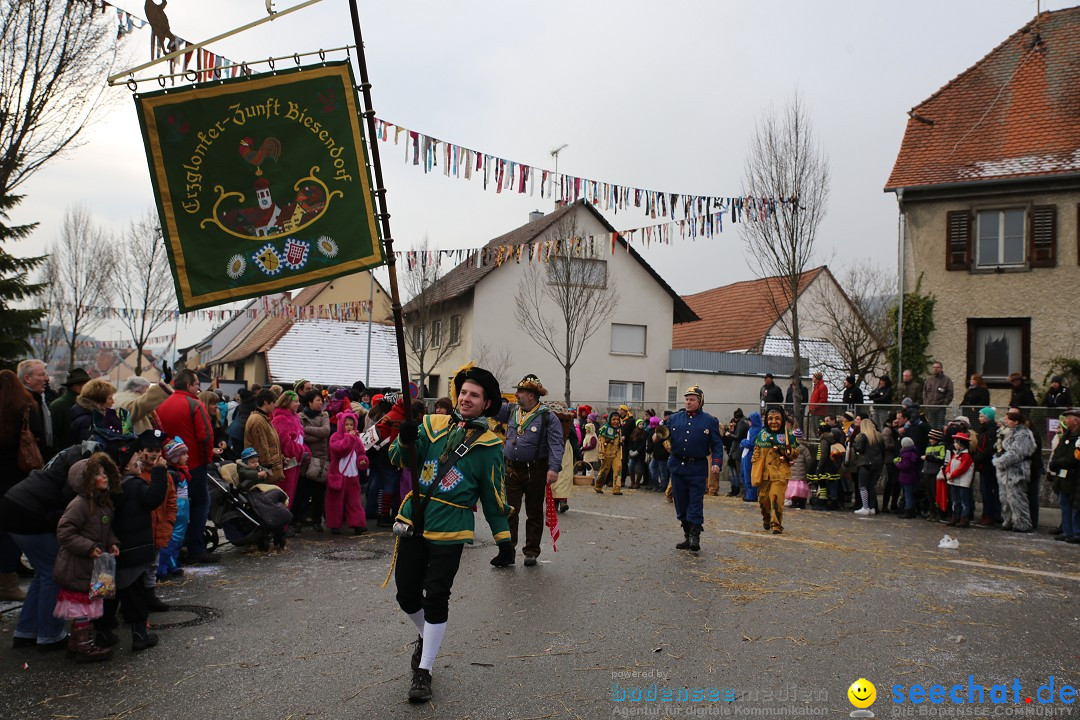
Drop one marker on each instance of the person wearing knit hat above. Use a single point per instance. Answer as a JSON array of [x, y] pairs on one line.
[[1057, 395], [983, 449], [163, 518], [175, 451], [133, 524], [934, 489], [302, 387], [959, 472]]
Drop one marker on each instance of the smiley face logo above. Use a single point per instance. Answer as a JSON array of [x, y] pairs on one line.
[[862, 693]]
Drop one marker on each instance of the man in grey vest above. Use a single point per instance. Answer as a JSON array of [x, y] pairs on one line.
[[533, 450]]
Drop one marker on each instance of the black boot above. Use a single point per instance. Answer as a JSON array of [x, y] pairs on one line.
[[141, 638], [695, 538], [417, 652], [154, 603], [420, 689], [685, 544]]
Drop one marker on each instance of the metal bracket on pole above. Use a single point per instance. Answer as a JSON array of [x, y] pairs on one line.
[[189, 48]]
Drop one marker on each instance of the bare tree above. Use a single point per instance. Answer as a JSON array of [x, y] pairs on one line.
[[497, 361], [427, 336], [80, 269], [144, 283], [51, 335], [858, 325], [785, 162], [560, 304], [54, 57]]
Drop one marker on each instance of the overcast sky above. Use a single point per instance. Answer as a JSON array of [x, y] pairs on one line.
[[659, 96]]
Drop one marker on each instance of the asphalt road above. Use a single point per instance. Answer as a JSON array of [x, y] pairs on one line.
[[777, 625]]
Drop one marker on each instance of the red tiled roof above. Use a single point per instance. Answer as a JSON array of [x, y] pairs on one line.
[[1014, 114], [463, 278], [735, 317]]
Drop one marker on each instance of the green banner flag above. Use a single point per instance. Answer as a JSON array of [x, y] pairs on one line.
[[261, 182]]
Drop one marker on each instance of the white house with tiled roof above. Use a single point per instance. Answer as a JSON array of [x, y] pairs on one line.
[[625, 361]]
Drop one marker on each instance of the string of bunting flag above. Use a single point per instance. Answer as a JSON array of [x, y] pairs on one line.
[[265, 307], [589, 246], [205, 64], [701, 214]]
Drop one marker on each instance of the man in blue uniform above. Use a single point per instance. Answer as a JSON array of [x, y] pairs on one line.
[[696, 443]]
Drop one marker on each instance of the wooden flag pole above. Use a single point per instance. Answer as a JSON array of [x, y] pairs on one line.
[[384, 218]]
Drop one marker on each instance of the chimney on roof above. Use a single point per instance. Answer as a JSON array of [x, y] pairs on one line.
[[535, 215]]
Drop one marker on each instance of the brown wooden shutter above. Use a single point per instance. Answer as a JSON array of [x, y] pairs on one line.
[[958, 240], [1042, 236]]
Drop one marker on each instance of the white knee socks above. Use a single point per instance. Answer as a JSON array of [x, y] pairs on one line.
[[864, 493], [418, 620], [433, 637]]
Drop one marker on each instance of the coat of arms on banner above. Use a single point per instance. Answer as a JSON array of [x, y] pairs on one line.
[[262, 183]]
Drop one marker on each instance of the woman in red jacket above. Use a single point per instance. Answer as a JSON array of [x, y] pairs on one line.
[[290, 432]]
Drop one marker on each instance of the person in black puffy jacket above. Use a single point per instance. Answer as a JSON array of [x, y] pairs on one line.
[[133, 524]]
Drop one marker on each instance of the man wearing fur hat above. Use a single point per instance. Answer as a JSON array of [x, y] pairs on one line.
[[534, 451], [696, 447], [460, 464]]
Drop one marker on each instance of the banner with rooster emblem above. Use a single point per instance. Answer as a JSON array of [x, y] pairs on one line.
[[262, 183]]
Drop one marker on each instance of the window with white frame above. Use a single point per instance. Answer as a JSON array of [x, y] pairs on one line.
[[583, 272], [455, 329], [418, 337], [625, 393], [436, 333], [627, 339], [1000, 238]]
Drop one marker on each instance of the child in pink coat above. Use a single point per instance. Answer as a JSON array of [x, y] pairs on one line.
[[348, 459]]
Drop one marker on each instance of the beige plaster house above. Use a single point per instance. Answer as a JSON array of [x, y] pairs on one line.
[[988, 186], [625, 361]]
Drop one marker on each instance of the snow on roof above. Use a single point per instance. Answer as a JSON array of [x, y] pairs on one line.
[[328, 352], [822, 356]]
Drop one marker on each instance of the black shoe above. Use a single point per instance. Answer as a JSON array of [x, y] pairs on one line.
[[335, 531], [19, 643], [106, 638], [1061, 538], [154, 603], [420, 690], [317, 527], [417, 652], [385, 522], [563, 507], [358, 531], [530, 560], [290, 532], [733, 493], [685, 544], [695, 538], [58, 645], [142, 639], [1074, 540]]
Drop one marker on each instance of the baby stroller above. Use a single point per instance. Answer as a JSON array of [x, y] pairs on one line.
[[253, 515]]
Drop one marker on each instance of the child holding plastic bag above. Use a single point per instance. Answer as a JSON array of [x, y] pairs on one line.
[[85, 535], [347, 460]]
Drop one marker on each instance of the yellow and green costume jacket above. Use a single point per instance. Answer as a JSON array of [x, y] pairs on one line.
[[478, 476]]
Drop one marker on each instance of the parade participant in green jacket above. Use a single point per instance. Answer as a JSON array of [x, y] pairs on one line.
[[436, 518]]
